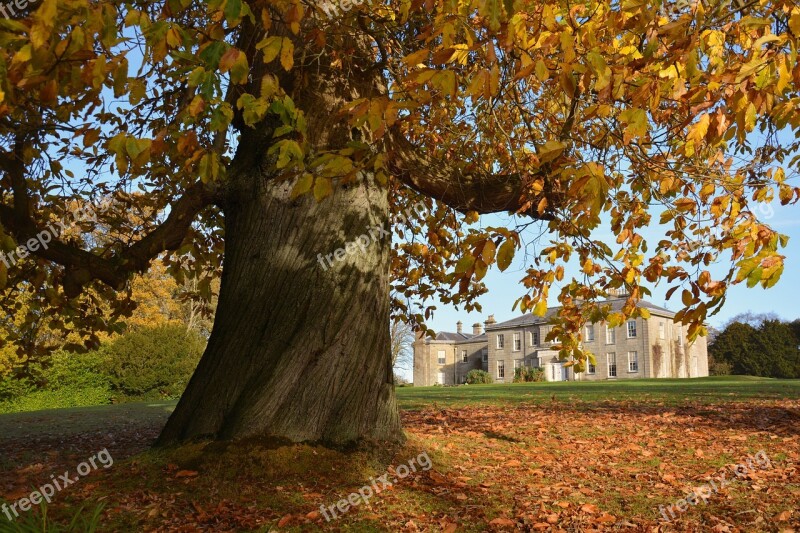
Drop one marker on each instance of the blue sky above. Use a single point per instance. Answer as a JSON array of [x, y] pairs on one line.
[[782, 299]]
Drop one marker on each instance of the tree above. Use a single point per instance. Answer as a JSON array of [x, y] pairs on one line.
[[735, 346], [402, 337], [769, 348], [295, 139]]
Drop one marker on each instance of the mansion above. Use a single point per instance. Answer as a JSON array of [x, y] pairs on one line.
[[655, 347]]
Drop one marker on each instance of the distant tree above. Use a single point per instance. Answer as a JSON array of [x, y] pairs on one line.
[[776, 345], [768, 348], [402, 336], [753, 319]]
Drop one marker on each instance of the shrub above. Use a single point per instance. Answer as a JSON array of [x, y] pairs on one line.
[[57, 399], [718, 367], [68, 380], [12, 388], [153, 363], [528, 374], [478, 377], [69, 370]]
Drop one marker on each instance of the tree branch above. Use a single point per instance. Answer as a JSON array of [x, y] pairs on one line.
[[463, 190], [80, 265]]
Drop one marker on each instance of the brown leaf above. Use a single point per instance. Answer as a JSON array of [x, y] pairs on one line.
[[502, 522]]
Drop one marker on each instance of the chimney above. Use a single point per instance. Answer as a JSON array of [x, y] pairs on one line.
[[476, 328], [490, 321], [459, 326]]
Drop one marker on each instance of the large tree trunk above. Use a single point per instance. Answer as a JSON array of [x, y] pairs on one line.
[[300, 350]]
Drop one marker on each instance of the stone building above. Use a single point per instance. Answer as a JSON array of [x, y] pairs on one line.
[[655, 347]]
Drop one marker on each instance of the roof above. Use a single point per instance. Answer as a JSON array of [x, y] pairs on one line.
[[460, 338], [616, 305], [447, 336]]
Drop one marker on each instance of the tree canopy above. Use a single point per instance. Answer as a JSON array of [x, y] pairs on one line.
[[572, 115]]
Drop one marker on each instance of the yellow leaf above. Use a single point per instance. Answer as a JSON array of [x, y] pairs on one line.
[[506, 254], [540, 309], [488, 252], [270, 47], [416, 58], [322, 188], [550, 150], [302, 186], [287, 54], [541, 70], [699, 130]]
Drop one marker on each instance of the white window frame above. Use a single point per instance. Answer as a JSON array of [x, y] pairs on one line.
[[611, 333], [441, 377], [633, 363], [501, 369], [588, 332], [464, 356], [662, 330], [611, 359], [441, 354], [501, 341], [517, 340], [632, 334]]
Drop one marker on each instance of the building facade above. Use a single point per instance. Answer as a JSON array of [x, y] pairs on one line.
[[655, 347]]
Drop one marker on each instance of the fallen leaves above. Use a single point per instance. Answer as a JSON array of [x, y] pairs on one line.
[[509, 468]]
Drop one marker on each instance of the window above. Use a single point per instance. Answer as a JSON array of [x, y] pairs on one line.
[[612, 364], [631, 329], [611, 335], [589, 333], [592, 369], [501, 341], [440, 378], [501, 369], [442, 357], [661, 333], [464, 356], [536, 338], [633, 362], [485, 356], [517, 342]]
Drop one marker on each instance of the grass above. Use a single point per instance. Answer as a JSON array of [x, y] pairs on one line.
[[670, 391], [568, 456]]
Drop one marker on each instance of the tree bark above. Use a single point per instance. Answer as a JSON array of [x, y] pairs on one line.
[[300, 348]]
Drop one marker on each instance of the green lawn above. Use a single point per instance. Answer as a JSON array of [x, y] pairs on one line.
[[711, 390], [668, 391]]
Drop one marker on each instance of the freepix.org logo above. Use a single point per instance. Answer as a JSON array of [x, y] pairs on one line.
[[14, 9], [678, 6]]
